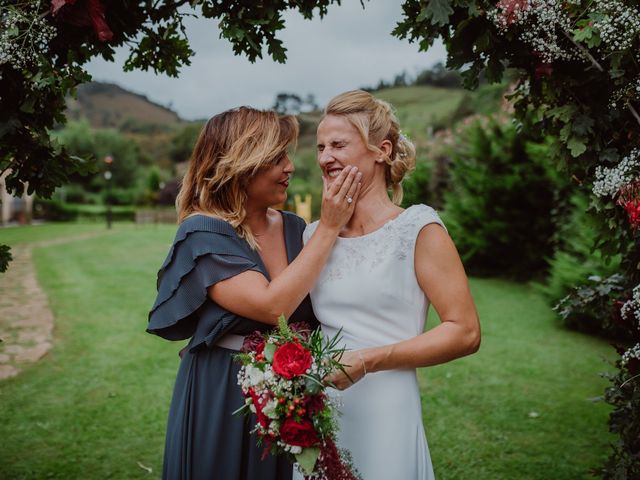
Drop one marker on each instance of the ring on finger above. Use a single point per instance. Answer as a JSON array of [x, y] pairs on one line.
[[349, 199]]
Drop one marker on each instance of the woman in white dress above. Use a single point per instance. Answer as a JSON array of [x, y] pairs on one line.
[[385, 268]]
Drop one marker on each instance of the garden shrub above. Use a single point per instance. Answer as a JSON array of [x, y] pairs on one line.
[[416, 186], [587, 308], [575, 258], [501, 198]]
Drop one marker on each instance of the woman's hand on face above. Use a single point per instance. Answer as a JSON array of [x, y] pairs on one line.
[[336, 207], [353, 366]]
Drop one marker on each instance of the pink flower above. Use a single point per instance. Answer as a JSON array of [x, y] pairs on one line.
[[629, 199]]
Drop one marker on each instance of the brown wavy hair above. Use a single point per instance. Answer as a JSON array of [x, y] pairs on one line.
[[376, 122], [232, 147]]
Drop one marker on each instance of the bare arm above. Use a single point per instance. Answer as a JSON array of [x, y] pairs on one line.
[[441, 276], [251, 295]]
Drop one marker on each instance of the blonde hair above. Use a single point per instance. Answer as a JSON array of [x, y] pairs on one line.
[[232, 147], [376, 122]]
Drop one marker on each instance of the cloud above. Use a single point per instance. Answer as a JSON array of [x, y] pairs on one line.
[[349, 48]]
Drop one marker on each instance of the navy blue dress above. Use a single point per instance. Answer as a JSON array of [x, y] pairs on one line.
[[204, 440]]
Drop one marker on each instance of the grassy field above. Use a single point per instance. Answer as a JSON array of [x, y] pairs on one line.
[[96, 406], [419, 107]]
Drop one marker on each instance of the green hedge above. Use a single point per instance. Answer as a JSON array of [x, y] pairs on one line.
[[501, 198], [56, 211]]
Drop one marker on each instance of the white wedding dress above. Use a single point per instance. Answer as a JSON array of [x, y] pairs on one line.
[[369, 289]]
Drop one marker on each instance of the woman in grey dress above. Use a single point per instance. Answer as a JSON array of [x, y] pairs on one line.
[[235, 265]]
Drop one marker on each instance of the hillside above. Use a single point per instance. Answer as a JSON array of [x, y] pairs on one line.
[[108, 105]]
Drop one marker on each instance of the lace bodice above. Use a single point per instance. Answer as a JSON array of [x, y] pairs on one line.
[[368, 286]]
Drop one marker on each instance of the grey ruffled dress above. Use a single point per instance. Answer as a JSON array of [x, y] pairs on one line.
[[204, 440]]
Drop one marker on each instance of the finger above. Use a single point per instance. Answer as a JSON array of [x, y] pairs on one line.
[[337, 183], [354, 186], [324, 186], [356, 195], [350, 180]]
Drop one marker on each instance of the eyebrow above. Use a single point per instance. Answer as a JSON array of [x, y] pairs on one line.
[[333, 142]]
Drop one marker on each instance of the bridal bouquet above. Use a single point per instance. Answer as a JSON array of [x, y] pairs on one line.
[[281, 380]]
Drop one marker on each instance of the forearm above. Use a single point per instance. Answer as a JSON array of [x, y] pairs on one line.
[[444, 343], [286, 291]]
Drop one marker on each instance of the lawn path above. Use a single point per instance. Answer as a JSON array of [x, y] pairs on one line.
[[26, 321]]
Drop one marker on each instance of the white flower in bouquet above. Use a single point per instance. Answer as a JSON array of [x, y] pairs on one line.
[[270, 409], [254, 375]]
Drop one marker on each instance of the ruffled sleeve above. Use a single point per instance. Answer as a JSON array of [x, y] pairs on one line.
[[205, 251]]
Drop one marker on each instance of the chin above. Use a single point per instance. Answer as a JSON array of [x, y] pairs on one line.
[[280, 199]]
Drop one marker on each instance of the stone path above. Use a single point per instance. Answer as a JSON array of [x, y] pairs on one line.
[[26, 321]]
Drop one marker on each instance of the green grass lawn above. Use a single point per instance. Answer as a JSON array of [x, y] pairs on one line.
[[96, 406], [38, 233]]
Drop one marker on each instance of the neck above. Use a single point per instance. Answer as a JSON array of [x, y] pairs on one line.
[[373, 208], [257, 218]]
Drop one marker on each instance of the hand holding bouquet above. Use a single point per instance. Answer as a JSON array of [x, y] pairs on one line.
[[282, 381]]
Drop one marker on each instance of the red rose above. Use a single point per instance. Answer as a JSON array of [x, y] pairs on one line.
[[301, 434], [259, 403], [291, 360]]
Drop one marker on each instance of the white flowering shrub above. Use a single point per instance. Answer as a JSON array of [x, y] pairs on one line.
[[25, 34], [609, 180], [631, 354], [617, 23], [541, 24], [631, 308]]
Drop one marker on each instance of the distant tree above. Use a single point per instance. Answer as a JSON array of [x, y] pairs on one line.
[[293, 104], [310, 104], [382, 85], [183, 142], [401, 80], [79, 139], [439, 76], [288, 103]]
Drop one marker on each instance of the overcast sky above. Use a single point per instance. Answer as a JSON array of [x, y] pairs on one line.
[[349, 48]]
